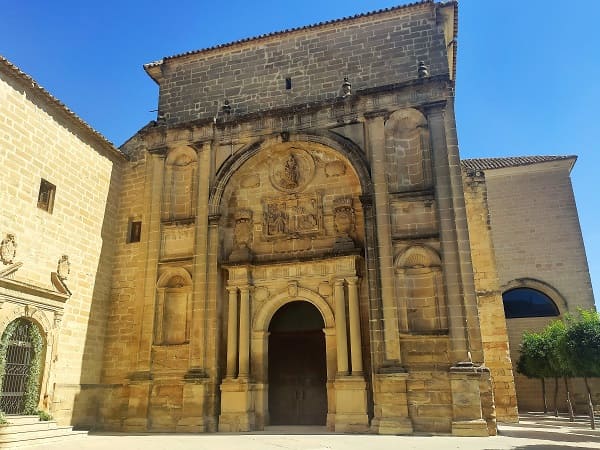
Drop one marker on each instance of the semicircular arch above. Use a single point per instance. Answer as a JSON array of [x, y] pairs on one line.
[[266, 313], [541, 286], [351, 151]]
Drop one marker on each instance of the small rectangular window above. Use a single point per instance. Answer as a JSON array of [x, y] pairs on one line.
[[46, 196], [135, 232], [288, 83]]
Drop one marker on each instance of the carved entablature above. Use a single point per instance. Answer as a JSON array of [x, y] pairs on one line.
[[292, 216]]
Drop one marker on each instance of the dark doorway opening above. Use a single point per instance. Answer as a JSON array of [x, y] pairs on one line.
[[297, 366]]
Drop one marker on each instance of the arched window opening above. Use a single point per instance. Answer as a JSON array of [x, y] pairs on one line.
[[526, 302]]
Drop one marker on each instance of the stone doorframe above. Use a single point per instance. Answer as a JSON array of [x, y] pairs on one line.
[[259, 355]]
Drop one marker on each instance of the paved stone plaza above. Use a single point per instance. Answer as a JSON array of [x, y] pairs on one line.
[[532, 433]]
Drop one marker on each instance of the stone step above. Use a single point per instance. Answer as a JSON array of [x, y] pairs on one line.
[[41, 441], [24, 434], [27, 426], [19, 419]]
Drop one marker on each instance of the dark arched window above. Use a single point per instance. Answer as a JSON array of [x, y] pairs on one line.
[[525, 302]]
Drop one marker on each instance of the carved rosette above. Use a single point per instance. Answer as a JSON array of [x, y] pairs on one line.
[[63, 267], [291, 170], [8, 249]]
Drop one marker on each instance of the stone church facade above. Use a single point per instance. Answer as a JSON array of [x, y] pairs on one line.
[[293, 241]]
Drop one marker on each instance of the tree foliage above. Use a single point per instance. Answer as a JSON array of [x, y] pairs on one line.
[[582, 343]]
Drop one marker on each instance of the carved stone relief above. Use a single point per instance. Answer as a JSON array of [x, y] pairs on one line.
[[63, 267], [291, 216], [335, 169], [344, 220], [8, 249], [242, 236], [292, 170]]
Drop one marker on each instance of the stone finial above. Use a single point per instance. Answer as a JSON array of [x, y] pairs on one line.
[[346, 88], [8, 249], [423, 70], [64, 267], [226, 107]]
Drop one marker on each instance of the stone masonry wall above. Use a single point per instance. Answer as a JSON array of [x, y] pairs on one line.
[[494, 334], [251, 76], [40, 140], [536, 235]]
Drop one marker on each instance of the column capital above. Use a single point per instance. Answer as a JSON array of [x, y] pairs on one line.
[[434, 108], [338, 282], [246, 288], [352, 281], [380, 113], [232, 289]]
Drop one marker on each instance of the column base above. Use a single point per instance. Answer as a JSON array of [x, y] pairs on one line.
[[391, 403], [394, 426], [468, 401], [351, 405], [237, 414], [477, 427]]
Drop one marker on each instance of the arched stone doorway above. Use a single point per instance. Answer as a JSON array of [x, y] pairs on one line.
[[297, 366], [21, 351]]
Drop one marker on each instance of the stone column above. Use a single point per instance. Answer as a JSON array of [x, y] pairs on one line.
[[448, 238], [340, 327], [375, 127], [462, 237], [199, 309], [244, 367], [147, 283], [232, 333], [355, 338]]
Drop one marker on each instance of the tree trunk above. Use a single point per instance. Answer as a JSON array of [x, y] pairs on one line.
[[590, 404], [544, 395], [555, 396], [569, 404]]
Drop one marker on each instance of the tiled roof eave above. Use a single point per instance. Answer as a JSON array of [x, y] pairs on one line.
[[161, 61], [18, 74], [514, 161]]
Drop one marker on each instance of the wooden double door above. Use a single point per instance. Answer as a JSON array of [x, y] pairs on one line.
[[297, 378]]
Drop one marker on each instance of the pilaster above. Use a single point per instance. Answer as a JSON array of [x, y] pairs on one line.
[[375, 127]]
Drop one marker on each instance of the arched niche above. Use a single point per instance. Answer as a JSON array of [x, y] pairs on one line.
[[419, 288], [179, 191], [407, 149], [173, 308]]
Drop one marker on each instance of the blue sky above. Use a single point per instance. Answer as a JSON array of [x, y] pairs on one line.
[[528, 77]]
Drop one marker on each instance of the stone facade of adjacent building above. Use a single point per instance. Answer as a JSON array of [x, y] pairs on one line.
[[292, 241], [537, 245], [59, 192]]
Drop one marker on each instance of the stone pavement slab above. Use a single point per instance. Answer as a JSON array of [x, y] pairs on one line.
[[533, 433]]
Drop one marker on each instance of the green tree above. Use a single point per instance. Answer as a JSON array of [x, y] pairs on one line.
[[554, 336], [533, 362], [582, 349]]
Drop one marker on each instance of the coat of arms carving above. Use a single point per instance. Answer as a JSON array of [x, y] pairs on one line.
[[63, 267], [8, 249]]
